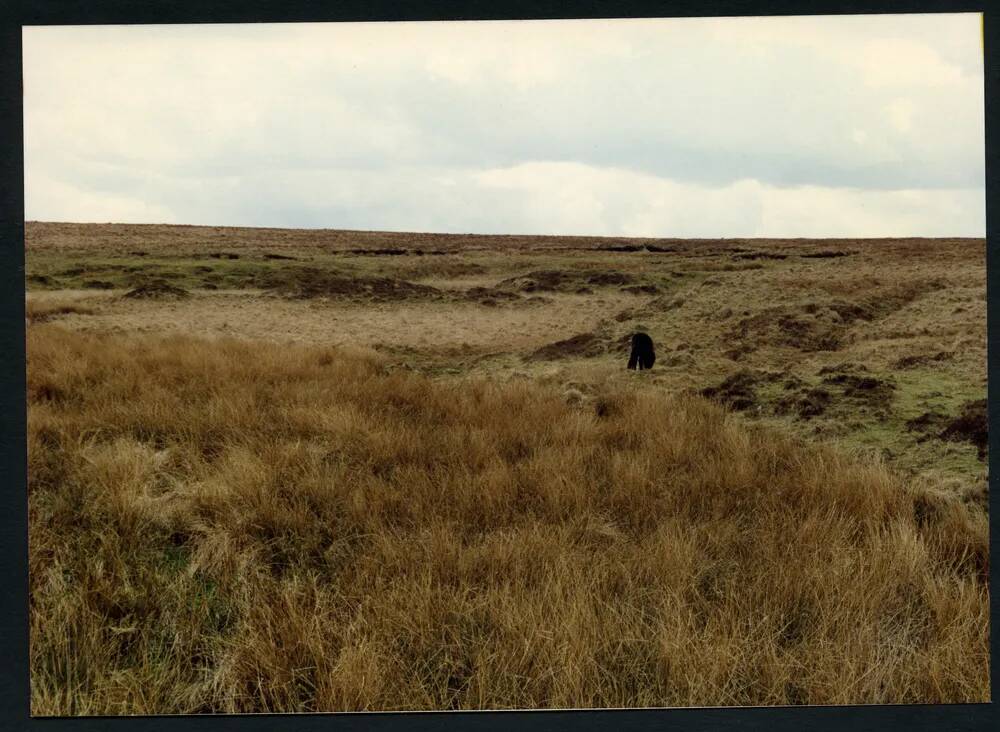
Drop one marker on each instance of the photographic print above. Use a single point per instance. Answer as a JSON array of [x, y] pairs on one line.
[[486, 365]]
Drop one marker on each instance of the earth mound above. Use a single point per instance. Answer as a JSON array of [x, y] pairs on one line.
[[491, 296], [315, 283], [388, 252], [928, 424], [759, 255], [548, 280], [805, 404], [652, 248], [971, 425], [641, 289], [922, 359], [158, 290], [822, 326], [809, 327], [554, 280], [739, 390], [826, 255], [865, 388], [583, 345]]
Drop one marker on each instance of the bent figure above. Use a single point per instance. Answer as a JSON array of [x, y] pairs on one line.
[[643, 356]]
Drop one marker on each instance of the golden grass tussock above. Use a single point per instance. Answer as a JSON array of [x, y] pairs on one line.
[[226, 526], [40, 311]]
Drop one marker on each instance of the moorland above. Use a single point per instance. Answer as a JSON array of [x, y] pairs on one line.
[[309, 470]]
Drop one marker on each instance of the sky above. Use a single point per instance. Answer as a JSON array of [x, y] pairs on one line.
[[705, 127]]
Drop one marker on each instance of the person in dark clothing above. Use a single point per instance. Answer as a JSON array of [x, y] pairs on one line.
[[643, 356]]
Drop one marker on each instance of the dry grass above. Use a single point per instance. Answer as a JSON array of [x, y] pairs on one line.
[[41, 310], [233, 526], [427, 328]]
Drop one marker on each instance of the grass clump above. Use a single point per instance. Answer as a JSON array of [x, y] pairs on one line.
[[40, 312]]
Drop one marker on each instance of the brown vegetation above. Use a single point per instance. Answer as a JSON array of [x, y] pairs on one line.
[[478, 508], [40, 312], [234, 526]]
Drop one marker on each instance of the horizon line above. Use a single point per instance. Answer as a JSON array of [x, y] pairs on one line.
[[494, 235]]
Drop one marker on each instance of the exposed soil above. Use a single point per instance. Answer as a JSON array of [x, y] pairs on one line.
[[583, 345], [158, 290], [540, 281], [738, 353], [609, 278], [312, 283], [759, 255], [888, 300], [866, 394], [826, 255], [867, 388], [623, 248], [922, 359], [739, 390], [792, 382], [653, 248], [971, 425], [856, 385], [805, 404], [395, 252], [642, 289], [664, 303], [928, 424], [845, 367], [553, 280], [380, 252], [491, 296]]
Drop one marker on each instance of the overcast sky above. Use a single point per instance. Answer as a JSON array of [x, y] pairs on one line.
[[808, 126]]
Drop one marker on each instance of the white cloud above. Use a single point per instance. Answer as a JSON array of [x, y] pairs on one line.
[[540, 197], [682, 126], [897, 62], [58, 201], [900, 113], [572, 198]]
